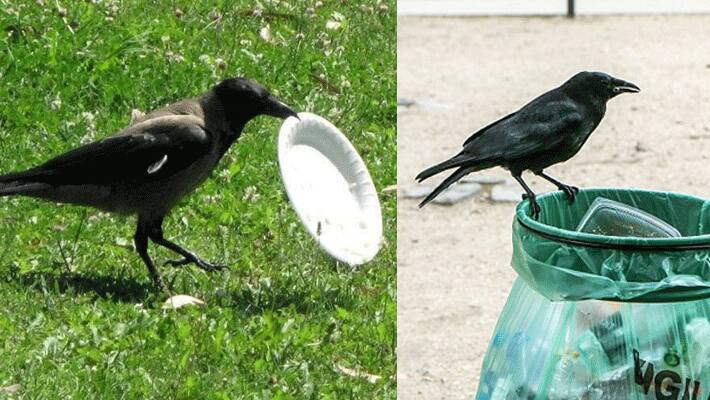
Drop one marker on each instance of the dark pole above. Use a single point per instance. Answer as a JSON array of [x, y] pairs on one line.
[[570, 8]]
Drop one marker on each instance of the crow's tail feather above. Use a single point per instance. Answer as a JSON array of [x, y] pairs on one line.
[[460, 160], [20, 188], [455, 161], [7, 188], [458, 174], [29, 175], [13, 183]]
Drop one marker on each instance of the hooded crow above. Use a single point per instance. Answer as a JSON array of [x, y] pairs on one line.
[[145, 169]]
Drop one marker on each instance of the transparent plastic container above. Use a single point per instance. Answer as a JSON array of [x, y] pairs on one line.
[[610, 218]]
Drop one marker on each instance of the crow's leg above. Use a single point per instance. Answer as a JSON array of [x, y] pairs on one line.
[[156, 235], [570, 191], [530, 195], [141, 242]]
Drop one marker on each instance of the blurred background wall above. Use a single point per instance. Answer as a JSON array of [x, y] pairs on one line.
[[549, 7]]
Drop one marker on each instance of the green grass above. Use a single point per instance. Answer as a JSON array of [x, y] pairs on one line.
[[285, 318]]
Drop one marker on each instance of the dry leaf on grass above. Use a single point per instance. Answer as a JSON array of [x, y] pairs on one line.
[[265, 34], [353, 373], [181, 300], [11, 389], [136, 114]]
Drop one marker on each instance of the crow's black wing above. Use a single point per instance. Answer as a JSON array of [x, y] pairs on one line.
[[553, 126], [483, 130], [538, 127], [150, 150]]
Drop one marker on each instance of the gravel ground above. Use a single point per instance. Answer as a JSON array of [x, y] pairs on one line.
[[462, 73]]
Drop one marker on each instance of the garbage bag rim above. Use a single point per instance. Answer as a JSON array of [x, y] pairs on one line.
[[684, 243]]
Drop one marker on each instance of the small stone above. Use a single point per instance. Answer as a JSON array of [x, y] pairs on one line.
[[416, 192], [428, 105], [456, 193], [506, 193], [405, 102], [484, 179]]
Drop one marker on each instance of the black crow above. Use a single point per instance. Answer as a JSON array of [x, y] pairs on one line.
[[149, 166], [548, 130]]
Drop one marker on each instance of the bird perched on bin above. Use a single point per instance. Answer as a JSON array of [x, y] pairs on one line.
[[550, 129], [146, 168]]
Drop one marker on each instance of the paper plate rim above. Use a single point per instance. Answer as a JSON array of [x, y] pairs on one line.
[[337, 137]]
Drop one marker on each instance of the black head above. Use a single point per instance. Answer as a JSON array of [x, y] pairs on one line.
[[248, 99], [599, 85]]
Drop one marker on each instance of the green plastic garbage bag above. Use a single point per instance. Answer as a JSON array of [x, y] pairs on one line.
[[605, 318]]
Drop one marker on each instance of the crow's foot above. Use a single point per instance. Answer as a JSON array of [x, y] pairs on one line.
[[534, 207], [160, 285], [570, 191], [204, 265]]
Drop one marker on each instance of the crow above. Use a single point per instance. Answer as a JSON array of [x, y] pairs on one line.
[[550, 129], [146, 168]]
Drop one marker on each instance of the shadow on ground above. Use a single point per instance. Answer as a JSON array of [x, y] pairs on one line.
[[246, 293], [123, 289]]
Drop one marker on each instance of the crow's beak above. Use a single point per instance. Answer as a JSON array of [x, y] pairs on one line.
[[276, 108], [625, 87]]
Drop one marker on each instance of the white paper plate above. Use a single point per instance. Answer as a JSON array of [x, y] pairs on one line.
[[330, 188]]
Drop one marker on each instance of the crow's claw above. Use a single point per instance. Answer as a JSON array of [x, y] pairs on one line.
[[535, 210], [204, 265], [570, 191], [160, 285], [534, 207]]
